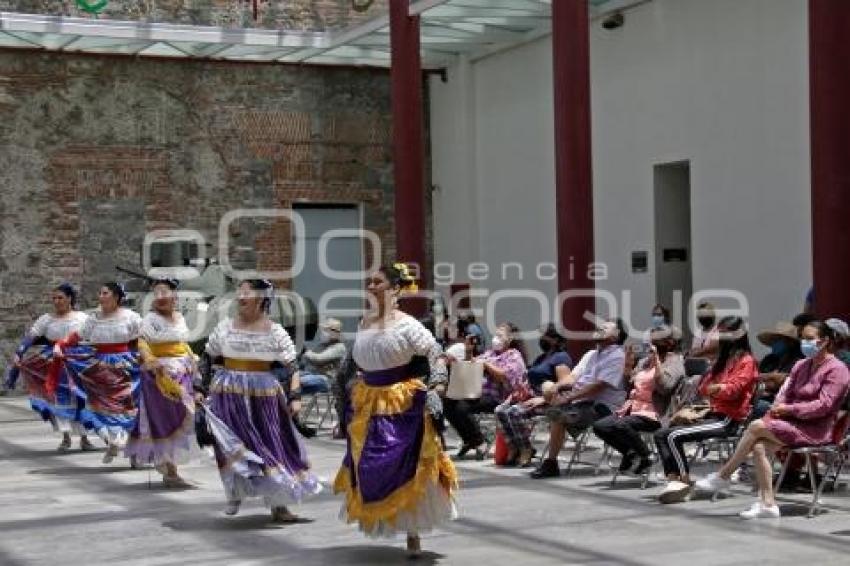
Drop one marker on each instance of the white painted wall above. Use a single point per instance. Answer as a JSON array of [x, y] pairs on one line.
[[722, 83]]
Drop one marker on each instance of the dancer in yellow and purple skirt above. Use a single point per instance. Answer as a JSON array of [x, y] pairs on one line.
[[395, 476], [106, 368], [52, 394], [164, 430], [258, 449]]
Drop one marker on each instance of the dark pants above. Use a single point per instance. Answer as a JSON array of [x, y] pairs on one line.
[[578, 417], [623, 433], [459, 414], [670, 441]]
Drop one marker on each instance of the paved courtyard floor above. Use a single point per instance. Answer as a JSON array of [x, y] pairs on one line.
[[70, 509]]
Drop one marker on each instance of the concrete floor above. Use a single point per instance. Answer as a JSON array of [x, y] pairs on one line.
[[70, 509]]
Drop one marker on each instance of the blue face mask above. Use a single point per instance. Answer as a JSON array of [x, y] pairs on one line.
[[809, 348], [657, 320]]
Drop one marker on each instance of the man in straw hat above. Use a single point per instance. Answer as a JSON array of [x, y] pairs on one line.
[[784, 343]]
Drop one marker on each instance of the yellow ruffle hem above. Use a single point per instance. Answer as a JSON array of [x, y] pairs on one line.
[[435, 468]]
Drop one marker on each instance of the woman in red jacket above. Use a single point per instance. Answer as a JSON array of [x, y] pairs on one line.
[[728, 386]]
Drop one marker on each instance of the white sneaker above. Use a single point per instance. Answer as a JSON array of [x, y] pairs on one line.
[[675, 492], [759, 511], [712, 483]]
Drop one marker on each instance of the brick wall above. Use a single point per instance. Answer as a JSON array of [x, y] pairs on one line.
[[94, 151], [313, 15]]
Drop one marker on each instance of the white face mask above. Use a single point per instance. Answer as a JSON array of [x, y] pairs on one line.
[[325, 336], [498, 344]]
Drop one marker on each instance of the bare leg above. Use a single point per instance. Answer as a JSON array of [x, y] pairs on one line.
[[762, 452], [755, 433]]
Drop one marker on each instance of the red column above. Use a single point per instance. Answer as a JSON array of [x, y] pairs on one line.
[[829, 75], [573, 166], [408, 138]]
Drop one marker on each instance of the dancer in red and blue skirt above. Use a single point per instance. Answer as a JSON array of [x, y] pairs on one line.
[[52, 394], [106, 369]]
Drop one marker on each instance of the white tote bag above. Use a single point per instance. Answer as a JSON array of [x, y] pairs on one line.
[[466, 380]]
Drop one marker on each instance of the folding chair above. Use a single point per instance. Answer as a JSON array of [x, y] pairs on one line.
[[648, 439]]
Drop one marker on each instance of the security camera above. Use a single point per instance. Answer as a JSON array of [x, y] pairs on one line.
[[614, 21]]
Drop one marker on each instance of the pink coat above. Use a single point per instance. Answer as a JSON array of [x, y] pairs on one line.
[[813, 399]]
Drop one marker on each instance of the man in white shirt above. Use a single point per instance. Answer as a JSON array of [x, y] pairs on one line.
[[598, 390]]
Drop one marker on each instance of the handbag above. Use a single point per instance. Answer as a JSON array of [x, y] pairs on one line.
[[689, 415]]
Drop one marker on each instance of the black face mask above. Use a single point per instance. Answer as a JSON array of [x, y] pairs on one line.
[[545, 345], [706, 321]]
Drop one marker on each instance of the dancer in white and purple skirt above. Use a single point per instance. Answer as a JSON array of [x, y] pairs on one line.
[[395, 476], [164, 431], [258, 449], [52, 394]]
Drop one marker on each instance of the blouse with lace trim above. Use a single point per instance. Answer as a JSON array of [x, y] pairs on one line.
[[383, 348], [230, 342], [119, 328], [55, 328], [157, 329]]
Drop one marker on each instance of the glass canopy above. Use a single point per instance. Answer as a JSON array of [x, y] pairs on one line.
[[449, 29]]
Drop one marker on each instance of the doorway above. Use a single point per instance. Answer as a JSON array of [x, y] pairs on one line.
[[343, 254], [673, 261]]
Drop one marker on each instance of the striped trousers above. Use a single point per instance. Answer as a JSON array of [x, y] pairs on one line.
[[670, 441]]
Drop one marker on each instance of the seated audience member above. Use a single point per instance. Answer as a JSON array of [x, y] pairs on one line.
[[516, 417], [504, 373], [804, 414], [729, 387], [774, 368], [842, 333], [653, 384], [553, 359], [322, 364], [596, 393], [705, 342]]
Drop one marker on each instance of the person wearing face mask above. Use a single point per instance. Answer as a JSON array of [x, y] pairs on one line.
[[660, 317], [804, 414], [322, 364], [596, 392], [705, 342], [653, 384], [504, 374], [729, 387], [552, 360]]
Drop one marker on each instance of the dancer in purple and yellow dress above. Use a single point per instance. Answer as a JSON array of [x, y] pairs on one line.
[[106, 368], [52, 394], [164, 430], [395, 476], [258, 449]]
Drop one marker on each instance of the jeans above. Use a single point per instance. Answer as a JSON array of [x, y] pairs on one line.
[[312, 383]]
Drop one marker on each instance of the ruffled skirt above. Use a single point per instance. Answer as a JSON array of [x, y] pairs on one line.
[[395, 476], [164, 430], [258, 449]]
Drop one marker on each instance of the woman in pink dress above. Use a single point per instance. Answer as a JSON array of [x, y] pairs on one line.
[[804, 414]]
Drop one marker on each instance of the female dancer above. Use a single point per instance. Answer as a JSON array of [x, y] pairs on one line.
[[395, 476], [52, 394], [258, 450], [107, 370], [164, 430]]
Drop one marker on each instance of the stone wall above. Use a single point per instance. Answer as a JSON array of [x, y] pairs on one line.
[[313, 15], [95, 151]]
